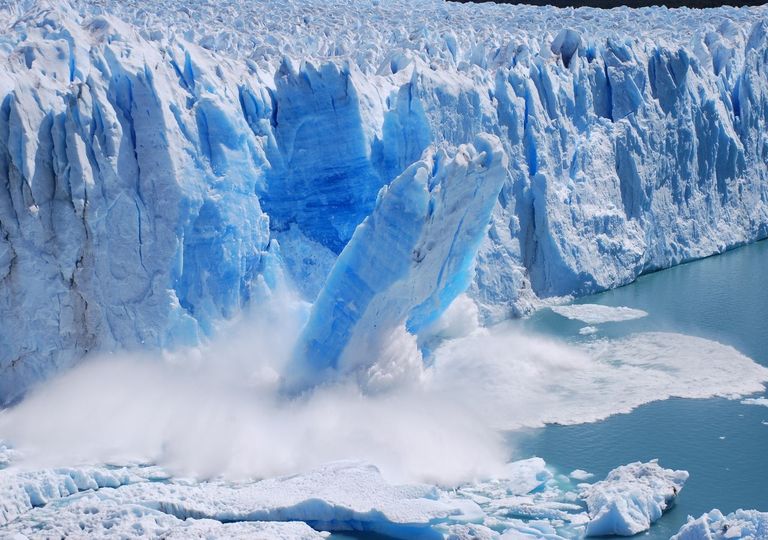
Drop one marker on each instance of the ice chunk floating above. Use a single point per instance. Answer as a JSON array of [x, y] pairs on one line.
[[739, 525], [631, 498], [525, 500], [596, 314]]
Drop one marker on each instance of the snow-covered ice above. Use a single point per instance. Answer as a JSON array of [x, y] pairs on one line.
[[597, 314], [137, 502], [631, 498], [96, 515], [525, 500], [24, 490], [167, 165], [739, 525], [144, 502]]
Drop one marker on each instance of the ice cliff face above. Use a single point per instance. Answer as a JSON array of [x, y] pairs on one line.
[[164, 166]]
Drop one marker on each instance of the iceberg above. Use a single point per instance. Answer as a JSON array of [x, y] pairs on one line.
[[157, 179], [741, 524], [631, 498], [755, 401]]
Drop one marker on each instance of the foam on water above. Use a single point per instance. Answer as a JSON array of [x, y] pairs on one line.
[[597, 314], [207, 421], [756, 401]]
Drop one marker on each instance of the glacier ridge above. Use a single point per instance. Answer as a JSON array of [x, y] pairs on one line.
[[164, 167]]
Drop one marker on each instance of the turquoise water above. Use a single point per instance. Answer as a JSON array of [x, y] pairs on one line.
[[722, 443]]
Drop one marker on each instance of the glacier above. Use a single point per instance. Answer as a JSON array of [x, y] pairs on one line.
[[376, 184], [165, 167]]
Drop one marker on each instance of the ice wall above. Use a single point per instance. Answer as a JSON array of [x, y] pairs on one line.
[[164, 166]]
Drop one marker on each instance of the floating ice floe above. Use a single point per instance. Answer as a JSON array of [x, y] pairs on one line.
[[24, 490], [581, 475], [739, 525], [631, 498], [525, 501], [755, 401], [598, 314]]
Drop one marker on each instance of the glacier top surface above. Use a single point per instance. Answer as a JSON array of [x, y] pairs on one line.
[[379, 35]]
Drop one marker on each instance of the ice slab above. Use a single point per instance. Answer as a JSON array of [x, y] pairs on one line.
[[631, 498], [588, 330], [755, 401], [403, 266], [580, 475], [337, 496], [739, 525], [598, 314]]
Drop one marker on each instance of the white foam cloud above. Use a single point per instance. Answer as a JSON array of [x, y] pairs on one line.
[[218, 411]]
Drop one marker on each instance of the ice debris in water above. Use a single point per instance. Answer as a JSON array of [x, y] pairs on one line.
[[756, 401], [525, 500], [581, 475], [631, 498], [739, 525], [597, 314]]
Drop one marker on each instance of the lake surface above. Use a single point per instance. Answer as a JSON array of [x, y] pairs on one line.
[[722, 443]]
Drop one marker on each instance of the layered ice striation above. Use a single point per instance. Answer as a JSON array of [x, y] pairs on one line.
[[141, 502], [164, 166]]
